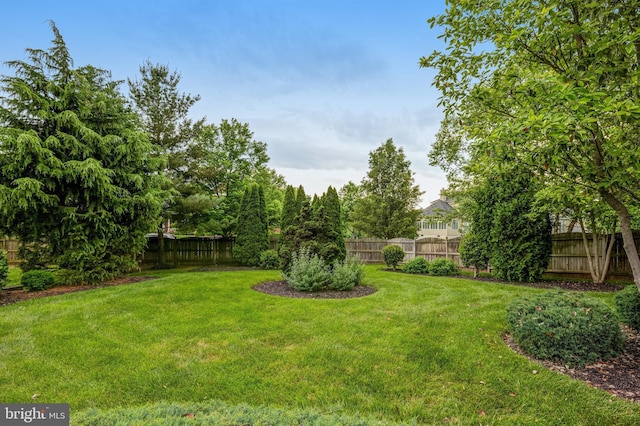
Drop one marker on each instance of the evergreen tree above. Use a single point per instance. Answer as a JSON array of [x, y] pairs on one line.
[[290, 209], [252, 237], [334, 247], [77, 179], [164, 111], [506, 230]]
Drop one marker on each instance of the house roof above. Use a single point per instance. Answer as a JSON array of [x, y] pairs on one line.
[[437, 207]]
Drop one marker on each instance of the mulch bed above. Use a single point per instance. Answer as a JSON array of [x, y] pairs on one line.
[[281, 288], [618, 376]]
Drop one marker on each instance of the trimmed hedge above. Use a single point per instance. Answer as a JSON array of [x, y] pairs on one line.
[[418, 265], [392, 255], [567, 327], [4, 269], [443, 267], [628, 305], [37, 280]]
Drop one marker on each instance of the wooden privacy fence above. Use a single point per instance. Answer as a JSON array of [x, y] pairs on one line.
[[190, 251], [570, 257], [568, 253], [369, 250], [11, 247]]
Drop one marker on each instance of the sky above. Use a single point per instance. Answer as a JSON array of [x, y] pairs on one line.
[[322, 82]]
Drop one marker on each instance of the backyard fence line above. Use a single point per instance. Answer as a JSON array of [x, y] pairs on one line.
[[10, 245], [568, 253]]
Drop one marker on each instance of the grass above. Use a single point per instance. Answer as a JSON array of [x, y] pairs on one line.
[[422, 349]]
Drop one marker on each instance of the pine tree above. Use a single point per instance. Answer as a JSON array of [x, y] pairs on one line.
[[76, 177], [164, 110]]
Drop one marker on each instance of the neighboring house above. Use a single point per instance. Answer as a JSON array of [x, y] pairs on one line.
[[437, 221]]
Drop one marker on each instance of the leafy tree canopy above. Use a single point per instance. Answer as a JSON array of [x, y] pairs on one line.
[[389, 208], [551, 86]]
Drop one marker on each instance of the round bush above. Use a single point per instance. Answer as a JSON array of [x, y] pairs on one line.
[[419, 265], [567, 327], [347, 274], [628, 304], [37, 280], [392, 256], [443, 267], [307, 272], [269, 259]]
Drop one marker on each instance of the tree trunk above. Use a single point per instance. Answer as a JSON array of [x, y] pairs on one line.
[[627, 234]]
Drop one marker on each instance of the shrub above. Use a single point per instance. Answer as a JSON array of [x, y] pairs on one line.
[[419, 265], [347, 274], [567, 327], [443, 267], [37, 279], [628, 304], [392, 256], [307, 272], [269, 259], [4, 269]]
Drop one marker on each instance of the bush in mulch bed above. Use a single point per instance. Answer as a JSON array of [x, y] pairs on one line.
[[565, 326]]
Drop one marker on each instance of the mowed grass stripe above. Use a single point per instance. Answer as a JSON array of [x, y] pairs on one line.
[[422, 348]]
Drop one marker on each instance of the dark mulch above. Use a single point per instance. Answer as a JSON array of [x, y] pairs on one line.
[[281, 288], [619, 376], [14, 295]]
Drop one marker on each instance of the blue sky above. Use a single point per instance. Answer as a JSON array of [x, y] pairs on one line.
[[322, 82]]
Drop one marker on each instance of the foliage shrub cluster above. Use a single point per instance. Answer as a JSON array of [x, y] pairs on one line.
[[392, 256], [309, 272], [347, 274], [419, 265], [4, 269], [567, 327], [443, 267], [269, 259], [37, 280], [628, 304]]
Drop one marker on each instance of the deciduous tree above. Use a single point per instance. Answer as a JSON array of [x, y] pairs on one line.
[[553, 86], [389, 206]]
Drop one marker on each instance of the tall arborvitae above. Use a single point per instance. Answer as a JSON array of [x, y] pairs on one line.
[[287, 226], [252, 237], [332, 216]]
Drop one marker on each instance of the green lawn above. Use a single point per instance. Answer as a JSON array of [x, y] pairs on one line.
[[422, 349]]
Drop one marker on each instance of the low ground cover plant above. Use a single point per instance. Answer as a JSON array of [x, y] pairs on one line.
[[568, 327], [392, 256], [628, 305]]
